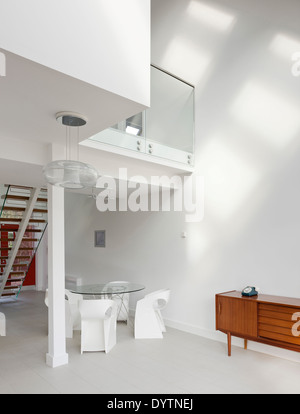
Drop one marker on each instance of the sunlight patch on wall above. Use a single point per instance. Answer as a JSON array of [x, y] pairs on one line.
[[267, 113], [229, 179], [188, 61], [284, 46], [211, 16], [197, 243]]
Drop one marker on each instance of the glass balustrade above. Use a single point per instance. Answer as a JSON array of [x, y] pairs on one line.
[[165, 130], [3, 193]]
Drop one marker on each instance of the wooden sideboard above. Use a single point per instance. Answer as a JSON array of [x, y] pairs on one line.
[[272, 320]]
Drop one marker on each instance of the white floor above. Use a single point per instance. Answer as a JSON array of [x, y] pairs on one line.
[[180, 363]]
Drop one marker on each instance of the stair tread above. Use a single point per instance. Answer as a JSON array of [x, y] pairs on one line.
[[22, 209], [14, 279], [21, 248], [23, 198], [16, 230], [25, 239], [18, 186], [19, 219], [13, 287]]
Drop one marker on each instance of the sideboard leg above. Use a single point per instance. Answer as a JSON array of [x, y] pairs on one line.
[[229, 343], [245, 343]]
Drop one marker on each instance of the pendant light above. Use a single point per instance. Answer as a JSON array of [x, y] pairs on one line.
[[70, 174]]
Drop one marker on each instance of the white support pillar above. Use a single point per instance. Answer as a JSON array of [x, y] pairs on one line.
[[41, 264], [56, 355]]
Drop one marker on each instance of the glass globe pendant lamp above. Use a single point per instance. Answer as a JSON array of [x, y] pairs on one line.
[[70, 174]]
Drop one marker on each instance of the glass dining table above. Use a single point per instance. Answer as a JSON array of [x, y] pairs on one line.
[[110, 290], [107, 290]]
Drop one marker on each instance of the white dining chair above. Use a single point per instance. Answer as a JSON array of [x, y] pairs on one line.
[[98, 325], [163, 296], [122, 301], [148, 321], [72, 315], [2, 325], [73, 319], [47, 298]]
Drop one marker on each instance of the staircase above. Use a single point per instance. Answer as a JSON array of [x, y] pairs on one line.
[[23, 220]]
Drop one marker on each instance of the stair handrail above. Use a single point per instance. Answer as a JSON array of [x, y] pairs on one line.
[[5, 198]]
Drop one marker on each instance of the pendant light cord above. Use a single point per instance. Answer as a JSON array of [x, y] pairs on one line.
[[77, 143], [69, 144]]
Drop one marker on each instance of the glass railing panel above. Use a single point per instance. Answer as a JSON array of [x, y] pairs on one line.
[[118, 138], [170, 119], [165, 130], [135, 125]]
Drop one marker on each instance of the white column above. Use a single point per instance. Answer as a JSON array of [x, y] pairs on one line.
[[56, 355], [41, 264]]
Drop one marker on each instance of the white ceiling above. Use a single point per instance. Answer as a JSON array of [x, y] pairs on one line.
[[31, 95]]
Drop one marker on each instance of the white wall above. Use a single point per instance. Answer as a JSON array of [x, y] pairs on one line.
[[104, 43], [140, 247], [238, 55]]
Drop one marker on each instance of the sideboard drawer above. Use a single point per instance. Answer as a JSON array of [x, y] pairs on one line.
[[278, 322]]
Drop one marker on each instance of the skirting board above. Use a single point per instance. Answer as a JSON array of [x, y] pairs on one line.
[[56, 361], [33, 287], [221, 337]]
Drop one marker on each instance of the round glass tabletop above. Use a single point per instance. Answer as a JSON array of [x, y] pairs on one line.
[[110, 288]]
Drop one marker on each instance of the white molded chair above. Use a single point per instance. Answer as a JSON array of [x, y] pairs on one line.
[[98, 325], [122, 301], [148, 321], [159, 304], [2, 325], [46, 298], [73, 319]]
